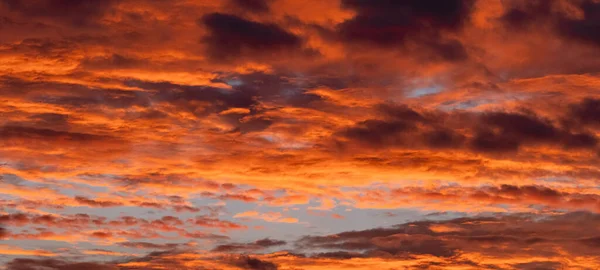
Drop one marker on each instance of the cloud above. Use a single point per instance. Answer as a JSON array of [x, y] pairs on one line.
[[76, 13], [232, 36], [26, 264], [194, 128], [389, 22], [268, 217], [210, 222], [587, 111], [246, 262], [147, 245], [520, 241], [17, 251], [485, 235], [96, 203], [249, 247], [257, 6], [574, 20], [489, 131], [15, 132], [580, 28]]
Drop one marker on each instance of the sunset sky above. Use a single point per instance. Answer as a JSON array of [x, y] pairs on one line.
[[299, 134]]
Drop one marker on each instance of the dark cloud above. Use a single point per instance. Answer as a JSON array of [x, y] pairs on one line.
[[115, 61], [269, 242], [231, 36], [528, 12], [443, 138], [544, 237], [378, 132], [381, 242], [55, 120], [401, 112], [74, 12], [247, 262], [66, 221], [148, 245], [550, 12], [96, 203], [505, 194], [507, 131], [540, 265], [502, 131], [488, 132], [187, 97], [16, 218], [55, 264], [101, 234], [210, 222], [586, 112], [71, 95], [401, 120], [486, 235], [391, 23], [257, 6], [520, 125], [404, 127], [249, 247], [165, 259], [448, 50], [237, 197], [16, 132], [539, 192], [584, 29]]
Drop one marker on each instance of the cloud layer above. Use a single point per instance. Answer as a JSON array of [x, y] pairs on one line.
[[288, 134]]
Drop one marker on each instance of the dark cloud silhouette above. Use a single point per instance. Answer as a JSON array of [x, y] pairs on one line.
[[488, 132], [247, 262], [389, 22], [96, 203], [549, 12], [3, 232], [258, 6], [232, 36], [266, 242], [508, 131], [541, 236], [75, 12], [380, 242], [540, 265], [50, 120], [584, 29], [55, 264], [586, 112], [148, 245], [392, 23], [539, 192], [11, 131], [479, 234], [249, 247], [526, 13]]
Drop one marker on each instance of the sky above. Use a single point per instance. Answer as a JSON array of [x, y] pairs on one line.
[[299, 134]]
